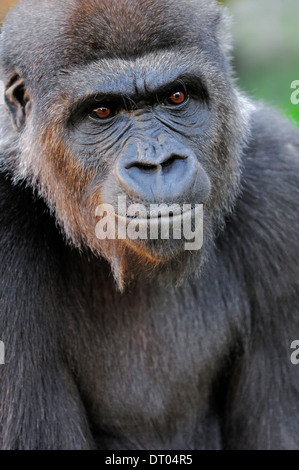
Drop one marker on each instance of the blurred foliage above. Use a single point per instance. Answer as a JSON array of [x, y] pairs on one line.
[[266, 48]]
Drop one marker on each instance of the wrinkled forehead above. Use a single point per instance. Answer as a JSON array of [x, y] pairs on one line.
[[140, 75], [145, 77]]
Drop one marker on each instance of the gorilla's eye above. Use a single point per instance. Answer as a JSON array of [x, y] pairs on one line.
[[175, 98], [102, 113]]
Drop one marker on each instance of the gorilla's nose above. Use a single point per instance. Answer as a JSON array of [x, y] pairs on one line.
[[167, 176]]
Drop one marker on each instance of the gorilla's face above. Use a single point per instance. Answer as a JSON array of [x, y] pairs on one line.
[[141, 128], [146, 127]]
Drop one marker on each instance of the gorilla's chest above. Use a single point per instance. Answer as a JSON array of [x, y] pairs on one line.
[[151, 376]]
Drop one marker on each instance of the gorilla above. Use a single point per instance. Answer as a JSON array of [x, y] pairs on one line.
[[122, 343]]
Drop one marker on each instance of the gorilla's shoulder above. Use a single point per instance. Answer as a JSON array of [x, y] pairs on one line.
[[274, 141], [270, 173], [263, 228], [24, 217], [16, 200]]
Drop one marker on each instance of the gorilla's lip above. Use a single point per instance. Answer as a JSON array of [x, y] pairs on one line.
[[163, 216]]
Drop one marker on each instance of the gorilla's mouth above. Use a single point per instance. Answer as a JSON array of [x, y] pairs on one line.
[[174, 216], [180, 227]]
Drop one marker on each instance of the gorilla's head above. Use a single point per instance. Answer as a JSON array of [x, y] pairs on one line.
[[127, 98]]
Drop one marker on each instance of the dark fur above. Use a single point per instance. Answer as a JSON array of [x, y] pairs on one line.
[[202, 365]]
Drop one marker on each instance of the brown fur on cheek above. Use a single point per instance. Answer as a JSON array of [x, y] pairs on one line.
[[66, 185], [61, 180]]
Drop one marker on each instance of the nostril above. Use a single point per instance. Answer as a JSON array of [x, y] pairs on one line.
[[149, 167], [170, 161], [142, 166]]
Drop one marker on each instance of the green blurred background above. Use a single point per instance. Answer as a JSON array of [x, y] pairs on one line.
[[266, 48]]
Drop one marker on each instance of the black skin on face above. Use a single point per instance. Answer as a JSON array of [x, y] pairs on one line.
[[135, 124], [186, 350]]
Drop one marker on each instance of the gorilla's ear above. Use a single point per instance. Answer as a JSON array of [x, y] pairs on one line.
[[17, 101]]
